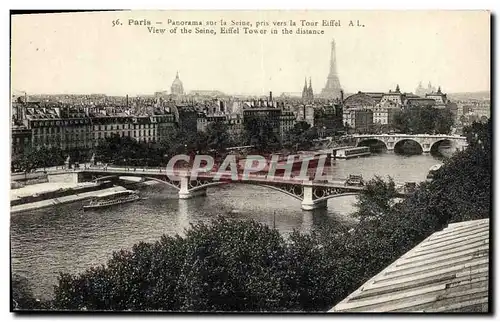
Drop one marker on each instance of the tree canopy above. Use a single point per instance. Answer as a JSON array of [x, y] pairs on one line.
[[423, 120], [301, 135], [261, 134]]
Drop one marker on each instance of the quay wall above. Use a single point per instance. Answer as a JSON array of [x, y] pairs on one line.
[[61, 200]]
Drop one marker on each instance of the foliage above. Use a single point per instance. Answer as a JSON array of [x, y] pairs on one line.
[[217, 136], [261, 134], [123, 150], [423, 120], [463, 186], [118, 149], [301, 135], [22, 296], [375, 202], [42, 157], [225, 266]]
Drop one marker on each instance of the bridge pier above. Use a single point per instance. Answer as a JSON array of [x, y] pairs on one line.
[[185, 193], [192, 194], [312, 205], [74, 177], [308, 203]]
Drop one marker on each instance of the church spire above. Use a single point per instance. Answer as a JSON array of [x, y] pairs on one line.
[[310, 91]]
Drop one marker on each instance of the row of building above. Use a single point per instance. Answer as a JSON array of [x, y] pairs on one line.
[[81, 126], [363, 110], [69, 127]]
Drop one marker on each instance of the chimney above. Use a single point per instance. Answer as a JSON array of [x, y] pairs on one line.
[[127, 100], [270, 96], [341, 96]]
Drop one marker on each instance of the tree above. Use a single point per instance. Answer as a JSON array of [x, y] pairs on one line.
[[229, 265], [261, 134], [217, 136], [22, 296], [423, 120], [301, 135], [376, 200], [444, 121]]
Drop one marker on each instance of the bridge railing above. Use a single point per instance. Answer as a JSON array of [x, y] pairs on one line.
[[227, 175]]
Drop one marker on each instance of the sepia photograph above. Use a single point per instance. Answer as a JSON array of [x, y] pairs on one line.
[[247, 161]]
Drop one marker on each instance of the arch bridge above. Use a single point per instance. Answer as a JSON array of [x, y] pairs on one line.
[[312, 194], [427, 142]]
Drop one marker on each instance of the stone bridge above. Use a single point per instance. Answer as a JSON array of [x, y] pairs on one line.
[[427, 142], [312, 194]]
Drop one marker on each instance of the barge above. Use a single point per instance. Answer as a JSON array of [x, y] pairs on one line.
[[351, 152], [112, 198]]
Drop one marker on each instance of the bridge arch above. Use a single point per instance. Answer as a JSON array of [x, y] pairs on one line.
[[399, 144], [116, 176], [295, 191], [338, 195], [435, 145], [371, 142], [163, 181]]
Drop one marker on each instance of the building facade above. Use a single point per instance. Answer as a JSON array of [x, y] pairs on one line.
[[358, 119], [71, 128]]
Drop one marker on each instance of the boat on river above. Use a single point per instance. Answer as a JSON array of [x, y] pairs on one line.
[[432, 171], [112, 198], [351, 152]]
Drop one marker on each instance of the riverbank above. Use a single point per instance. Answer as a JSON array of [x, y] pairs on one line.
[[62, 200]]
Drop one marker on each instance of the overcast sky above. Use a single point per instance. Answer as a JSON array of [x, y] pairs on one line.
[[83, 53]]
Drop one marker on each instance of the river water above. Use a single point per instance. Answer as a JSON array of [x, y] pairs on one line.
[[66, 239]]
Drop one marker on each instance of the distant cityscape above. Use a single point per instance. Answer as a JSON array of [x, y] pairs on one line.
[[79, 121]]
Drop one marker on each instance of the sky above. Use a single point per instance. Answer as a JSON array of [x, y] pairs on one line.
[[82, 53]]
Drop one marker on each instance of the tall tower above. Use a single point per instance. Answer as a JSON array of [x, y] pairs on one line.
[[307, 92], [332, 88], [304, 91], [310, 90]]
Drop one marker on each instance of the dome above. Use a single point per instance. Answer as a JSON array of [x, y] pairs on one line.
[[177, 87]]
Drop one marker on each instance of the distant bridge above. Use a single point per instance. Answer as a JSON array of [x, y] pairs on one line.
[[427, 142], [312, 194]]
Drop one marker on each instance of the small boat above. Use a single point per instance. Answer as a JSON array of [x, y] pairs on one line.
[[432, 171], [112, 198], [354, 180]]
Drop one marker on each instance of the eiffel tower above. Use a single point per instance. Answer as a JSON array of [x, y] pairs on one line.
[[332, 88]]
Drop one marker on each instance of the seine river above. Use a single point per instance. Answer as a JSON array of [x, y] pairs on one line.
[[66, 239]]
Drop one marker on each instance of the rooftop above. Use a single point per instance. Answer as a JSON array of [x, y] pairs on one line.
[[447, 272]]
